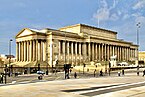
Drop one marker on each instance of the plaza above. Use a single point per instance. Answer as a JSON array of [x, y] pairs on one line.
[[111, 86]]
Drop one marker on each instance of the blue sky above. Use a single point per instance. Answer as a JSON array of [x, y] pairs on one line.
[[117, 15]]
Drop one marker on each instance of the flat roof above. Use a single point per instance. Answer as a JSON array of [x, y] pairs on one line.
[[88, 27]]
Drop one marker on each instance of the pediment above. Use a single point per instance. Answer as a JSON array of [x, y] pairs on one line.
[[25, 32]]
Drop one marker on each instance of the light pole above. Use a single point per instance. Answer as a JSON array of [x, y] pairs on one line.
[[138, 26], [65, 50], [6, 69], [65, 66], [10, 67]]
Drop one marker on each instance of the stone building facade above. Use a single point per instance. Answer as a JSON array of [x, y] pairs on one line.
[[141, 56], [76, 44]]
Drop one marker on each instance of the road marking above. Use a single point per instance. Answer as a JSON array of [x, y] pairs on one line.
[[105, 89], [112, 89]]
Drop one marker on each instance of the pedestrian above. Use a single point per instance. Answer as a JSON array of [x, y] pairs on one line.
[[2, 76], [123, 72], [143, 72], [94, 72], [70, 70], [88, 70], [138, 73], [101, 73], [118, 73], [109, 71], [75, 75]]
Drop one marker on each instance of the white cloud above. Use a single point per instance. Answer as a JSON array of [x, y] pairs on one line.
[[119, 12], [114, 17], [139, 5], [126, 16], [139, 18], [104, 13]]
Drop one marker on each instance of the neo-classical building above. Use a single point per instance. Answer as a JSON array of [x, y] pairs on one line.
[[76, 44]]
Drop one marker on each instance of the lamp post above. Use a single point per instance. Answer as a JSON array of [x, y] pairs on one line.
[[10, 69], [65, 50], [6, 69], [65, 66], [138, 26]]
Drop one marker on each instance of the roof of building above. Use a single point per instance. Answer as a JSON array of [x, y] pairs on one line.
[[89, 27]]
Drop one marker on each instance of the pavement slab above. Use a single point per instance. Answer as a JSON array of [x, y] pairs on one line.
[[62, 88]]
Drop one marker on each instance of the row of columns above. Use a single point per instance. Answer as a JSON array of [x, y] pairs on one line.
[[96, 51], [31, 50], [35, 50]]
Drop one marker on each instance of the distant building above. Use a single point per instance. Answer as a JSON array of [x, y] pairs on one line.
[[76, 44], [142, 56], [10, 56], [5, 60]]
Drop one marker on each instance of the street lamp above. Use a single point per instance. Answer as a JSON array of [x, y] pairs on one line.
[[138, 26], [10, 67], [65, 50], [66, 68], [6, 69]]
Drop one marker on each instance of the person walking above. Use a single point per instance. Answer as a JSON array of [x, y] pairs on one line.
[[143, 72], [2, 78], [138, 73], [123, 72], [75, 75], [94, 72], [118, 73], [101, 72]]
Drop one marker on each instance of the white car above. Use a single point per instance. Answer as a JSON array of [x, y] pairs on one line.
[[40, 72]]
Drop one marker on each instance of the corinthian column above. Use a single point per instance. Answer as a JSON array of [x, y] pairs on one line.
[[89, 50], [17, 51], [64, 52], [44, 51], [105, 53], [96, 52], [24, 50], [59, 49], [41, 54], [72, 53], [34, 50], [76, 52], [99, 53], [92, 51], [39, 50], [68, 52], [20, 50], [108, 53], [102, 52], [28, 50], [22, 47]]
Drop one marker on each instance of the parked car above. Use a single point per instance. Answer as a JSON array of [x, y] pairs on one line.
[[40, 72]]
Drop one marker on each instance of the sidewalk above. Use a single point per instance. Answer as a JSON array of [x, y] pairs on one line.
[[57, 88]]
